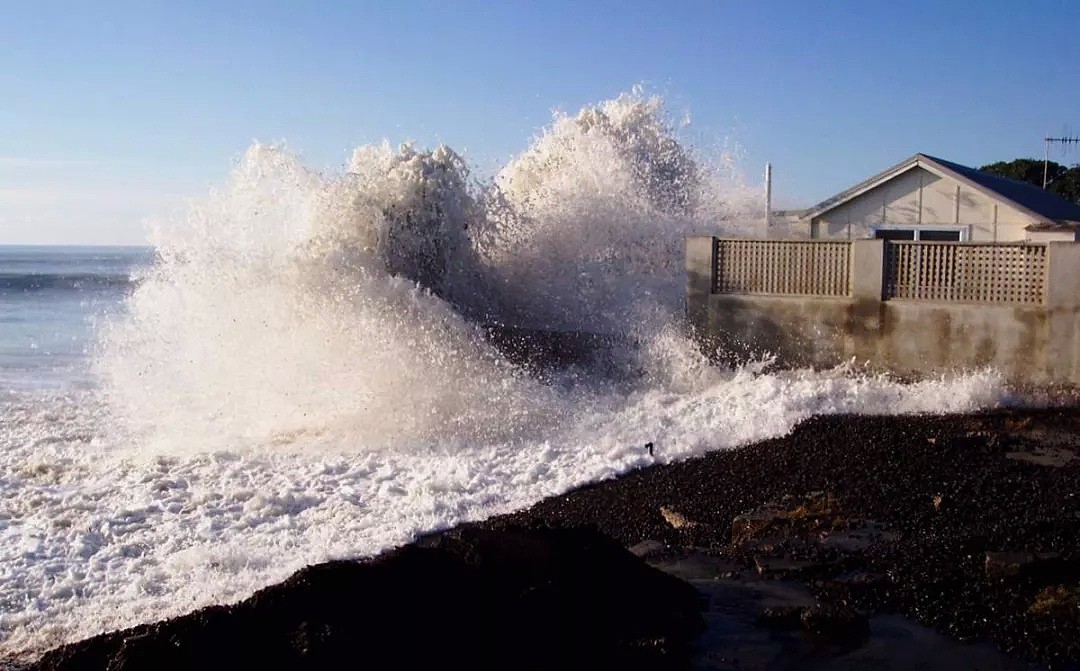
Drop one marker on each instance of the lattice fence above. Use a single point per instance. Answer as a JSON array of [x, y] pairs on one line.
[[979, 273], [783, 267]]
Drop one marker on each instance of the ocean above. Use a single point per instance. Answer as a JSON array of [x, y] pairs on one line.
[[297, 370], [50, 300]]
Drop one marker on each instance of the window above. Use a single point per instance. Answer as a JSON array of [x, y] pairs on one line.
[[940, 236], [924, 234], [894, 234]]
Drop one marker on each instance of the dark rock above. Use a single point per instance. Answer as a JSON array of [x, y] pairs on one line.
[[469, 598], [1054, 457], [782, 617], [859, 536], [785, 567], [695, 565], [831, 623], [836, 623], [648, 549], [1004, 564], [1057, 601], [861, 586], [792, 517], [544, 350], [753, 525], [1007, 564]]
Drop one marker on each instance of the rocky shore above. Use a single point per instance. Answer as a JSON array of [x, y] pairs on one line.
[[852, 541], [969, 525]]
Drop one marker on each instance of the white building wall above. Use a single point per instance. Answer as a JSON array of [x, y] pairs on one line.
[[788, 225], [901, 200], [917, 198]]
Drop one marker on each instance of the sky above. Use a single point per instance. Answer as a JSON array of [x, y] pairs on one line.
[[113, 114]]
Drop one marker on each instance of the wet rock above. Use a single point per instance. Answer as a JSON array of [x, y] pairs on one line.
[[790, 517], [836, 623], [786, 567], [866, 587], [1045, 456], [1004, 564], [1007, 564], [463, 599], [807, 524], [832, 623], [782, 617], [1057, 601], [544, 350], [648, 549], [859, 537], [695, 565], [752, 525], [676, 519]]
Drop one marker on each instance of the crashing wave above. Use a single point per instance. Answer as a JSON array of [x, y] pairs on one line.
[[294, 301]]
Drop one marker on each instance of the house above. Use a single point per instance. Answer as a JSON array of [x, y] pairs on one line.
[[928, 198]]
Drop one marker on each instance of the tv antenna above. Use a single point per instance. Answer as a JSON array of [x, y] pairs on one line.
[[1064, 141]]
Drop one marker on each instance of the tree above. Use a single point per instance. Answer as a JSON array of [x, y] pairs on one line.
[[1063, 181]]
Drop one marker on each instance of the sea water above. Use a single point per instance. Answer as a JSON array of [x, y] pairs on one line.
[[50, 300], [298, 369]]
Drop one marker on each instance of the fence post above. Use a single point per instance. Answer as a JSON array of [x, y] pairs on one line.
[[1062, 288], [700, 276], [867, 269]]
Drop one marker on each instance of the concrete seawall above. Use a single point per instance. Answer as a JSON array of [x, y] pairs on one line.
[[1031, 344]]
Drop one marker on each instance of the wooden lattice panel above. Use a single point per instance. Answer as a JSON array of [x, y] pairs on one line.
[[965, 272], [782, 267]]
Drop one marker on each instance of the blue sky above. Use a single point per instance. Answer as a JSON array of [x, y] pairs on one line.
[[115, 112]]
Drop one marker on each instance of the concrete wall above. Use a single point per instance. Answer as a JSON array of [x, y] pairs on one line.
[[1052, 236], [1030, 345], [917, 198]]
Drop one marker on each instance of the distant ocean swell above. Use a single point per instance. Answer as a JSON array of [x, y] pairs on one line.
[[28, 282]]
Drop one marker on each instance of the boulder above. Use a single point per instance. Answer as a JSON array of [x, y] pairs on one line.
[[467, 598]]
